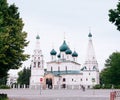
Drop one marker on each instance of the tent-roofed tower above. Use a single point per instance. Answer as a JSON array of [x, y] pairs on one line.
[[37, 64], [90, 57], [90, 67]]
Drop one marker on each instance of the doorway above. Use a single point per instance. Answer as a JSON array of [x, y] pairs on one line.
[[49, 83]]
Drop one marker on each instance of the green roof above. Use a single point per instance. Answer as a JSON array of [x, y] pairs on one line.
[[64, 46], [37, 37], [53, 52], [89, 35], [64, 72], [68, 51], [74, 54]]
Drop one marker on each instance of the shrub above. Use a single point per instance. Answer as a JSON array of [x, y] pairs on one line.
[[107, 86], [3, 97], [4, 87], [117, 86], [98, 86]]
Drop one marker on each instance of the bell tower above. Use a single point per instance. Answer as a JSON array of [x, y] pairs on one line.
[[90, 67], [37, 64]]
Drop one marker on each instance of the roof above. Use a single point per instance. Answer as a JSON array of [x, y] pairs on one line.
[[64, 46], [37, 37], [74, 54], [68, 72], [63, 61], [89, 35], [68, 51], [53, 52]]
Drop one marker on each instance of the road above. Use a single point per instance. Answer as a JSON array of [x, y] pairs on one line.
[[62, 94]]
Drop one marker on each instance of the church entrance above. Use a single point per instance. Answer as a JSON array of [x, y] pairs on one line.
[[49, 80], [49, 83]]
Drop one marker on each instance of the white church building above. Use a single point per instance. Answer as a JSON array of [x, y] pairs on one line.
[[63, 69]]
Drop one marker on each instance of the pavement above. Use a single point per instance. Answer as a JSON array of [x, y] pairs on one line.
[[62, 94]]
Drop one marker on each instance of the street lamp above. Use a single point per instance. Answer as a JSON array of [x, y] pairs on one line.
[[41, 79], [93, 81]]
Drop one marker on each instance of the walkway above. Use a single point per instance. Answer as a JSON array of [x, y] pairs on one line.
[[27, 94]]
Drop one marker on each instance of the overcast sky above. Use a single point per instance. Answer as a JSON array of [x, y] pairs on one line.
[[51, 18]]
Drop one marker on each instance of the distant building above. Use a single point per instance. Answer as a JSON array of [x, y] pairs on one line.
[[12, 77], [63, 69]]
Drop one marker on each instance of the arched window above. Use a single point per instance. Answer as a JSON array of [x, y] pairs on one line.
[[73, 59], [52, 57], [63, 56], [86, 79], [67, 57], [51, 69], [38, 64], [72, 79], [94, 68], [85, 67], [58, 68], [93, 80], [34, 64], [66, 68], [64, 79]]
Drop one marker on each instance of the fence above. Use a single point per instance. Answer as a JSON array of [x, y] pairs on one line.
[[17, 86], [115, 95]]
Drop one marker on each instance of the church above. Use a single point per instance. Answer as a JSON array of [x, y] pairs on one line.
[[63, 69]]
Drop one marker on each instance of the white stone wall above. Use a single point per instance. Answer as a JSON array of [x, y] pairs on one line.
[[73, 79], [35, 80], [89, 76], [62, 55], [53, 57], [37, 71], [62, 65], [84, 78], [69, 57]]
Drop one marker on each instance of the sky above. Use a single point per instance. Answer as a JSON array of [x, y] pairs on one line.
[[52, 18]]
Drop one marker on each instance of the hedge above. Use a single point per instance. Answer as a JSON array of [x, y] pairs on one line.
[[3, 96]]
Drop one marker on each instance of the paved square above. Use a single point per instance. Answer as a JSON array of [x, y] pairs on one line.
[[62, 94]]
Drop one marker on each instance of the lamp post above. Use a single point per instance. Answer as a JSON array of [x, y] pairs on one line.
[[41, 79], [93, 80]]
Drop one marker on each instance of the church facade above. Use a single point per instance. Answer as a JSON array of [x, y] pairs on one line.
[[63, 69]]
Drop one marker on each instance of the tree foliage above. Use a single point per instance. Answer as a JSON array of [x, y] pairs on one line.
[[12, 38], [111, 73], [114, 16], [24, 76]]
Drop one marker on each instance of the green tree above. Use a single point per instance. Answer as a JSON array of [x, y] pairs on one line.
[[12, 38], [24, 76], [111, 73], [114, 16]]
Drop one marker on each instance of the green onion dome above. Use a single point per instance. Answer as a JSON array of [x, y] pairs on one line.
[[37, 37], [74, 54], [89, 35], [68, 51], [63, 47], [53, 52], [58, 55]]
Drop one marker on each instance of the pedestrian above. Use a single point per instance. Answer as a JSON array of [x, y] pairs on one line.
[[83, 87]]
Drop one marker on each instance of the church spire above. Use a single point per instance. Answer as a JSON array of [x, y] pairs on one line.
[[90, 57], [90, 49], [90, 35], [37, 42], [91, 66]]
